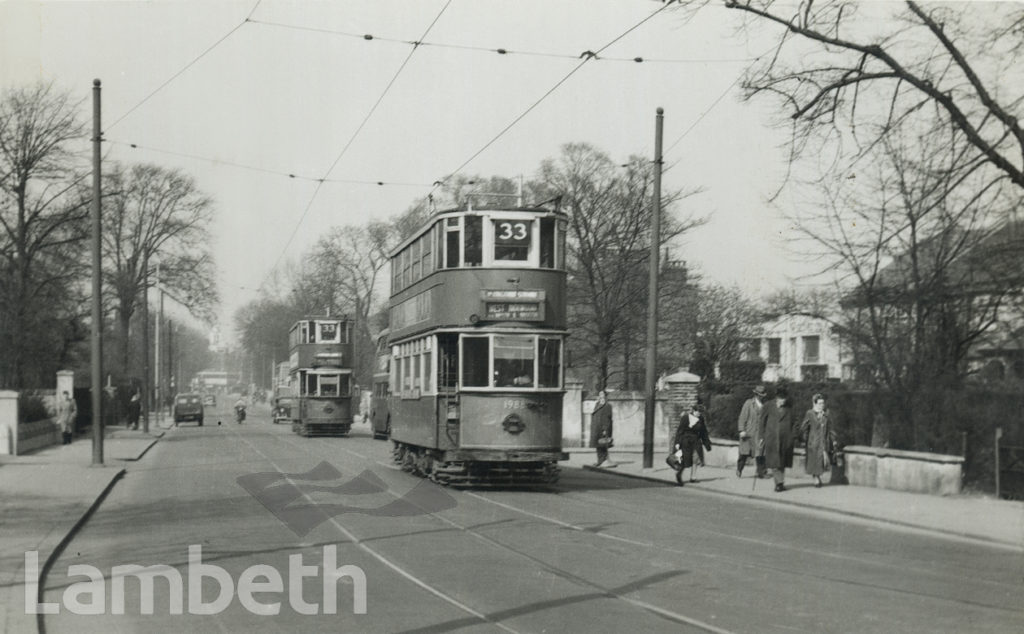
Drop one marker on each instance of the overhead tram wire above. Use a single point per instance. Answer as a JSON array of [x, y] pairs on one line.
[[586, 55], [320, 182], [369, 37], [186, 66], [713, 105], [263, 170]]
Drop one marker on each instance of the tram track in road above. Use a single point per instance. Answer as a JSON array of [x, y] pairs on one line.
[[857, 559], [596, 590]]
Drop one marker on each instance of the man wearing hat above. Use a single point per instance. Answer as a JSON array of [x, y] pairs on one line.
[[750, 445]]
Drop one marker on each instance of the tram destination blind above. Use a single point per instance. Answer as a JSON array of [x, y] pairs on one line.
[[503, 305]]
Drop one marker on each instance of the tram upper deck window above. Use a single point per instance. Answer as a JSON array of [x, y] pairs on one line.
[[512, 239], [329, 332]]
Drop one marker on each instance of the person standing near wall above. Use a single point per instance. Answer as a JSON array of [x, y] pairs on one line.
[[134, 411], [601, 430], [776, 437], [67, 412], [818, 431], [750, 445]]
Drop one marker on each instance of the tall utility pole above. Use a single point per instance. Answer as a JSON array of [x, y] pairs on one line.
[[156, 360], [147, 385], [652, 300], [97, 284]]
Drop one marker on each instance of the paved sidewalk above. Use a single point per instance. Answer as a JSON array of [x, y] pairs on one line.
[[968, 516], [43, 497]]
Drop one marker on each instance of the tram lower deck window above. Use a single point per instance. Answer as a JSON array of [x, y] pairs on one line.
[[513, 361], [475, 361]]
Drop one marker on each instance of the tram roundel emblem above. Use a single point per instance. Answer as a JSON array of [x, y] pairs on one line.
[[513, 424]]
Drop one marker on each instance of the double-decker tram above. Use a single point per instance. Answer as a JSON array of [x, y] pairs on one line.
[[477, 331], [320, 376]]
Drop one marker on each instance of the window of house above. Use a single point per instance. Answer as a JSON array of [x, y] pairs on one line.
[[475, 361], [513, 361], [812, 349], [512, 239], [775, 350], [549, 362]]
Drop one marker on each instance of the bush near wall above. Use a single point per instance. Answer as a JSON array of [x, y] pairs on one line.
[[31, 407], [944, 421], [740, 371]]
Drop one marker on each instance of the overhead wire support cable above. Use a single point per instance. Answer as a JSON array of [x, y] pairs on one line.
[[263, 170], [586, 57], [186, 67], [320, 182]]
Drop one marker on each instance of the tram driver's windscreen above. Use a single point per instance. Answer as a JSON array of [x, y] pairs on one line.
[[513, 361]]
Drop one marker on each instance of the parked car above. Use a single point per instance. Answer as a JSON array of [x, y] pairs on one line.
[[188, 407]]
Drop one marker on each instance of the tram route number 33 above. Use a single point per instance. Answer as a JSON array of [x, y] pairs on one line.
[[512, 231]]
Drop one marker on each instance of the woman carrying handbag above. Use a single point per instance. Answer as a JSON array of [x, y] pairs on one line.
[[691, 439]]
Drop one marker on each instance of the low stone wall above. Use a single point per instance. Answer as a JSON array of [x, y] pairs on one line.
[[914, 471], [724, 453], [17, 440]]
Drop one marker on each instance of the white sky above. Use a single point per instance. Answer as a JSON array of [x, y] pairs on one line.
[[289, 100]]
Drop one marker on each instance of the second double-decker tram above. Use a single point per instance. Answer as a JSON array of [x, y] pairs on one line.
[[320, 376], [477, 330]]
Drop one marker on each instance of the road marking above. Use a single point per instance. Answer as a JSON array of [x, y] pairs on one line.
[[667, 614], [381, 558]]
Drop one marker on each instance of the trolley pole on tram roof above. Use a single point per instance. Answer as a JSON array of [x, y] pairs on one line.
[[652, 300], [96, 380]]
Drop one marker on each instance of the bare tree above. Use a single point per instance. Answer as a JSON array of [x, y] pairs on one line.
[[925, 263], [155, 215], [41, 219], [848, 74], [609, 248]]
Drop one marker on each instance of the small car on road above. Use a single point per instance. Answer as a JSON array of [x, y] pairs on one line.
[[188, 407]]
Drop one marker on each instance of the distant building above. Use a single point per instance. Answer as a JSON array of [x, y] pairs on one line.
[[798, 347]]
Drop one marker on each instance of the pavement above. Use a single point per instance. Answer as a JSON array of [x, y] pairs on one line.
[[967, 516], [45, 497]]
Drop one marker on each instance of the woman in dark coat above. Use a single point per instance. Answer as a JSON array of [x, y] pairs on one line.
[[691, 434], [817, 429], [601, 427], [776, 434]]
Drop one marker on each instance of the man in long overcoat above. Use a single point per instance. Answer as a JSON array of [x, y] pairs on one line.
[[750, 446], [776, 437], [67, 412], [601, 427]]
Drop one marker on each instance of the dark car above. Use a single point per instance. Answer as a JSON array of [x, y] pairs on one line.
[[188, 407]]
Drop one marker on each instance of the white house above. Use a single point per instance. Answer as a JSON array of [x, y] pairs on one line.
[[798, 347]]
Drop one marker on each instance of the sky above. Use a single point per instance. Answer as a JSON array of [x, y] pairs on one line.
[[257, 100]]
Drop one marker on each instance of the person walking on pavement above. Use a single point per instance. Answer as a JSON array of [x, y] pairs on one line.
[[750, 446], [601, 430], [775, 433], [67, 412], [134, 411], [691, 434], [817, 429]]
